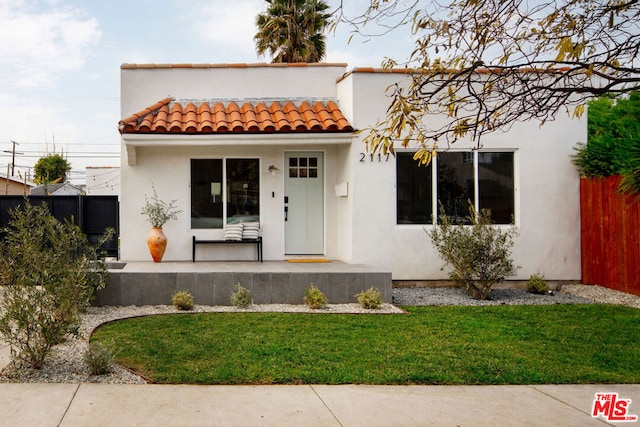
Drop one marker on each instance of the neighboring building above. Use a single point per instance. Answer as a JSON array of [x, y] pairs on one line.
[[103, 181], [275, 143], [14, 186], [63, 189]]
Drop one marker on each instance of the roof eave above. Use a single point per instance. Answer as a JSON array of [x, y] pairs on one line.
[[134, 140]]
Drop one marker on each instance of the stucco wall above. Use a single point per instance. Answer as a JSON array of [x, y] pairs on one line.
[[547, 196], [142, 87], [13, 188]]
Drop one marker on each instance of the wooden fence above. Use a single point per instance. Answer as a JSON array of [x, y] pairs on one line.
[[93, 214], [610, 228]]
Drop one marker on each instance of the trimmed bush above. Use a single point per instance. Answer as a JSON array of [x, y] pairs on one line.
[[99, 359], [537, 285], [182, 300], [241, 298], [479, 254], [370, 299], [314, 298]]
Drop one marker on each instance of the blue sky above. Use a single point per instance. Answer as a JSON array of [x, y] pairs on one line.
[[59, 80]]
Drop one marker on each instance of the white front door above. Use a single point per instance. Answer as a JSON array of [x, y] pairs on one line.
[[304, 207]]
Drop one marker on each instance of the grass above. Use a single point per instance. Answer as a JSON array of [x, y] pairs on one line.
[[552, 344]]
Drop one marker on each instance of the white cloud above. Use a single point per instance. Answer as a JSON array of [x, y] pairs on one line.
[[38, 41], [34, 121], [228, 25]]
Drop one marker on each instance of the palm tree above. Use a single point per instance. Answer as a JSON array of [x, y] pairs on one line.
[[292, 30]]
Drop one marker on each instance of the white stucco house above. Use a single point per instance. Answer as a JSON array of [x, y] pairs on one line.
[[275, 143]]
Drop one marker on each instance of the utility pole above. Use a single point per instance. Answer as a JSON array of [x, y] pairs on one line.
[[13, 157]]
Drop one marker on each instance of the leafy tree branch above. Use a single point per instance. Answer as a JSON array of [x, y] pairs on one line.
[[486, 65]]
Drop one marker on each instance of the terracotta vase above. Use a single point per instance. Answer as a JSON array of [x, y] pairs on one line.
[[157, 242]]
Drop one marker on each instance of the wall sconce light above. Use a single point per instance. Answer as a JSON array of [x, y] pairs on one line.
[[273, 169]]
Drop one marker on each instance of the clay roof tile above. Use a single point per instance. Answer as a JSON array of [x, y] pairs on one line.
[[220, 118], [279, 117], [294, 117], [170, 116], [264, 118], [190, 116], [175, 118], [235, 118], [205, 119], [160, 123], [250, 120], [309, 117]]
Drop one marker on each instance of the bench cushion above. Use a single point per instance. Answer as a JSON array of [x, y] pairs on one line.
[[233, 231], [251, 230]]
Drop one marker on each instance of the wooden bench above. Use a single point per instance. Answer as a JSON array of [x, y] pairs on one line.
[[257, 242]]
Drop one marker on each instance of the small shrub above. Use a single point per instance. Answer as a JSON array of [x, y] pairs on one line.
[[182, 300], [241, 298], [537, 284], [479, 254], [370, 299], [99, 359], [314, 298]]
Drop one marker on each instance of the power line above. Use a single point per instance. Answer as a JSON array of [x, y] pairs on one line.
[[79, 156], [66, 143], [75, 152]]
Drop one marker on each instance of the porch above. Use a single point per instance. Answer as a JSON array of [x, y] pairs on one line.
[[211, 283]]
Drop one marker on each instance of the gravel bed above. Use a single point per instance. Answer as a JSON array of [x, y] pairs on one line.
[[457, 296], [602, 295], [66, 365]]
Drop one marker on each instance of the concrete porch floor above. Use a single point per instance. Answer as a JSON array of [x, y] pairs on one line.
[[211, 283]]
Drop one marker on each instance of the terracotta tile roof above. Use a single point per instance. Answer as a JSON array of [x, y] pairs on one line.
[[188, 117]]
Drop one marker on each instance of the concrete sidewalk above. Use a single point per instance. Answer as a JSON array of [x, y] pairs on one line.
[[305, 405], [85, 404]]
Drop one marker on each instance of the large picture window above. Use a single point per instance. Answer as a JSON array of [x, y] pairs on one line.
[[224, 191], [454, 178]]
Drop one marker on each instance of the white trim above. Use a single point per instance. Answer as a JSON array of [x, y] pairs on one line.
[[132, 141]]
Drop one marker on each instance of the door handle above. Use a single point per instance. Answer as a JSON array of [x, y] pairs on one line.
[[286, 213]]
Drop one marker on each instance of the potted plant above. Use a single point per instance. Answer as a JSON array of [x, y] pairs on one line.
[[158, 213]]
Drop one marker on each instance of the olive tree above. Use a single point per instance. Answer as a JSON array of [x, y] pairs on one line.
[[48, 275], [478, 255]]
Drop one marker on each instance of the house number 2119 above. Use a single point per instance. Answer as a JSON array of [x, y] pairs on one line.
[[372, 156]]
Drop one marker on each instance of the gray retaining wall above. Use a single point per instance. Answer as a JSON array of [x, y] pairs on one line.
[[214, 288]]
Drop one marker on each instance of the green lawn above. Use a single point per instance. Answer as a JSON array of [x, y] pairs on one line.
[[552, 344]]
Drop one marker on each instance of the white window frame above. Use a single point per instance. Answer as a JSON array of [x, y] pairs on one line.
[[224, 187], [476, 201]]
